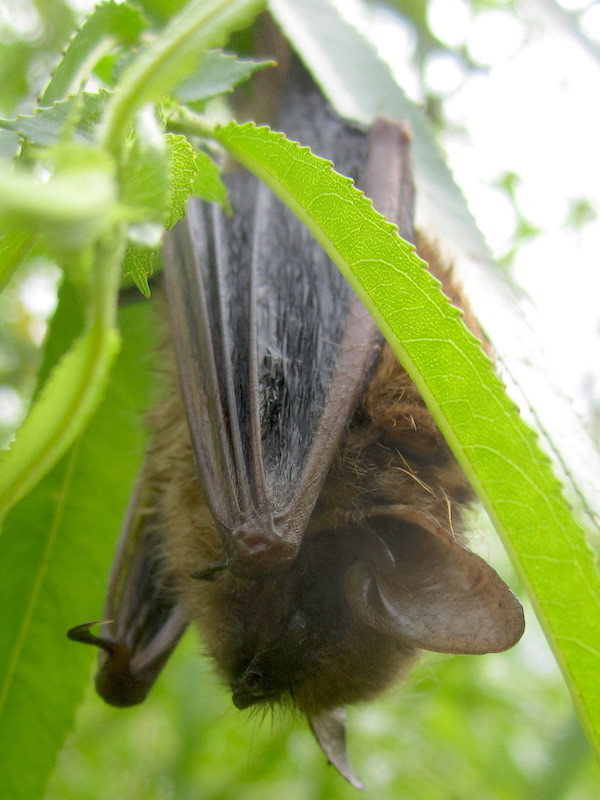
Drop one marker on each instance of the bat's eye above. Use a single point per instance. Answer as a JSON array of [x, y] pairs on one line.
[[253, 681], [251, 690]]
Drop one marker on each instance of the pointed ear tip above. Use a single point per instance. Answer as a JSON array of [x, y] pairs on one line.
[[348, 774], [355, 781], [329, 729], [346, 771]]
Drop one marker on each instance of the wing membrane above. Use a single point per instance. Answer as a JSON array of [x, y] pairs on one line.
[[143, 621], [273, 346]]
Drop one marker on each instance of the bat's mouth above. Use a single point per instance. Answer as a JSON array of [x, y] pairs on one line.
[[243, 698]]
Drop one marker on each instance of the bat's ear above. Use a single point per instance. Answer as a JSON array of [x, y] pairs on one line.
[[433, 592], [329, 728]]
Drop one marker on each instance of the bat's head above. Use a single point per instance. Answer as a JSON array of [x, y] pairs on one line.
[[294, 639], [344, 620]]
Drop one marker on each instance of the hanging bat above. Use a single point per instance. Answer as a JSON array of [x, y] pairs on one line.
[[298, 501]]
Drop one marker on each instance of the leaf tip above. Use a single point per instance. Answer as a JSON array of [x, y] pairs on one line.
[[141, 281]]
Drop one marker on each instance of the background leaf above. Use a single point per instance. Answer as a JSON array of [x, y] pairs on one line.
[[163, 64], [208, 184], [46, 124], [183, 166], [217, 73], [52, 576], [109, 24], [360, 86], [139, 263], [15, 245], [62, 411], [144, 176]]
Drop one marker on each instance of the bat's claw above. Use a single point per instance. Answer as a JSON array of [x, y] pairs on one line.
[[81, 633]]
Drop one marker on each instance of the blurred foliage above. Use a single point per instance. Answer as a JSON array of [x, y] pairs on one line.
[[22, 325], [489, 727], [32, 35]]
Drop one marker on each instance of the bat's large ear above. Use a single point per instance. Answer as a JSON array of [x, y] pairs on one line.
[[329, 728], [431, 591]]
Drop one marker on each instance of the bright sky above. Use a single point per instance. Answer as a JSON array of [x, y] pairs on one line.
[[535, 113]]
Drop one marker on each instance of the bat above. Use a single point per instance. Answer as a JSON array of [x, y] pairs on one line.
[[298, 501]]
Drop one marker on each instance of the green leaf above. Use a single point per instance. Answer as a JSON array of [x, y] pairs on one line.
[[59, 415], [360, 86], [145, 191], [498, 451], [183, 167], [15, 245], [163, 64], [141, 260], [45, 125], [72, 208], [144, 176], [56, 549], [217, 73], [76, 385], [139, 263], [109, 25], [208, 184]]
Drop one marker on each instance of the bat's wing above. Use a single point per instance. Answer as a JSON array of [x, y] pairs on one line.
[[142, 620], [273, 348]]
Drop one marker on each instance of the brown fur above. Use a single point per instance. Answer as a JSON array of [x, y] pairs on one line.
[[393, 453]]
